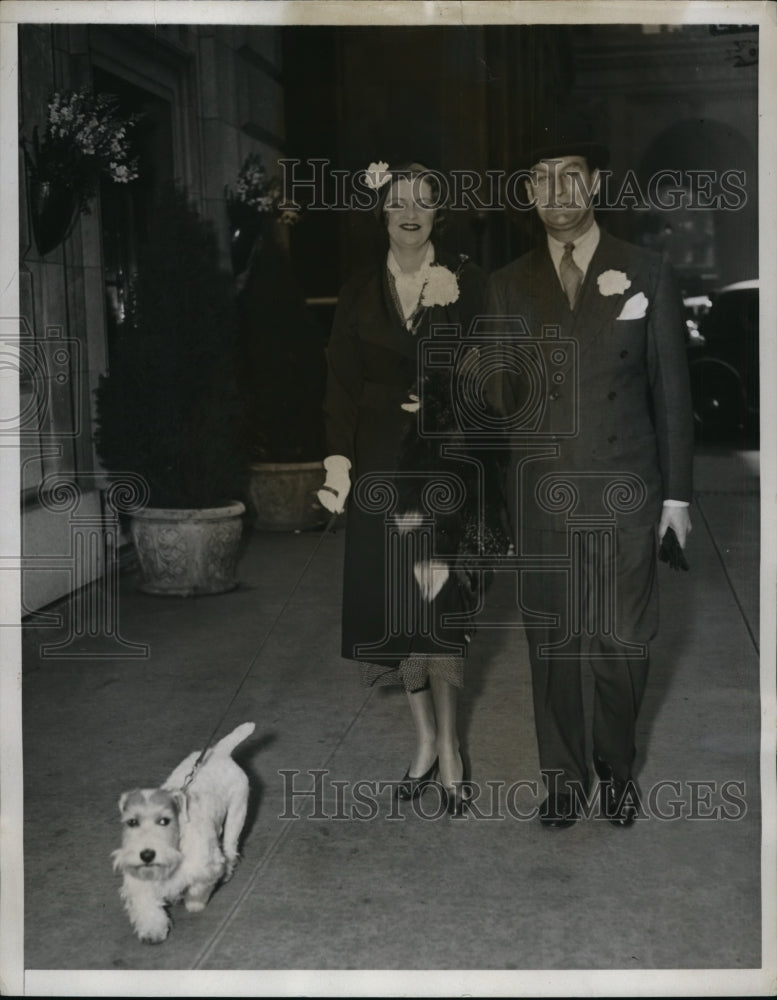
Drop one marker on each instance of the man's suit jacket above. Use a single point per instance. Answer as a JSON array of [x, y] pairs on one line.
[[611, 403]]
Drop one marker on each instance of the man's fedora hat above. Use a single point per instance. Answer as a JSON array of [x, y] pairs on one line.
[[568, 138]]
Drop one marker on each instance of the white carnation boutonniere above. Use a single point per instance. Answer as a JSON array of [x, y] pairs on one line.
[[376, 175], [441, 287], [613, 282]]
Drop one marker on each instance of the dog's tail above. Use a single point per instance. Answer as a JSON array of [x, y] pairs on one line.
[[225, 746]]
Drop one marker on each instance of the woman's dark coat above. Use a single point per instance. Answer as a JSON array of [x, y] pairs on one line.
[[372, 370]]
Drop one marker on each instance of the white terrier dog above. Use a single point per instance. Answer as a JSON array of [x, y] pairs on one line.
[[181, 839]]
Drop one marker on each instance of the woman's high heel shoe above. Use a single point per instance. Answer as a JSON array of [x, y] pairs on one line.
[[457, 799], [410, 788]]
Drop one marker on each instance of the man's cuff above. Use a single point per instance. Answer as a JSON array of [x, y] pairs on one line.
[[676, 503]]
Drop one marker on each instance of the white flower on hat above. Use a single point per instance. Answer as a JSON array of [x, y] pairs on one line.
[[613, 282], [376, 175]]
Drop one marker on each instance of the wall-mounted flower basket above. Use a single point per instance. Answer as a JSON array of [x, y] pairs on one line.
[[53, 212], [245, 224], [85, 138], [256, 199]]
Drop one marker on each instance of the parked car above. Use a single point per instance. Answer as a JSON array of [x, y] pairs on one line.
[[696, 306], [723, 358]]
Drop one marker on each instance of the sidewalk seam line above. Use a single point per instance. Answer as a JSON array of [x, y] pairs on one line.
[[269, 853], [263, 642], [730, 582], [275, 845]]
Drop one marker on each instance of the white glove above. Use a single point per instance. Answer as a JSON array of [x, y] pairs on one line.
[[678, 518], [414, 405], [337, 484], [431, 577]]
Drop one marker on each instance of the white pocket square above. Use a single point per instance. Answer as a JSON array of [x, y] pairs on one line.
[[635, 307]]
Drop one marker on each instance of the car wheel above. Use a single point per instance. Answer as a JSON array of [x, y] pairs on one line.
[[719, 399]]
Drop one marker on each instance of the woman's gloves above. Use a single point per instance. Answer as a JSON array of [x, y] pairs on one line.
[[337, 484], [430, 576]]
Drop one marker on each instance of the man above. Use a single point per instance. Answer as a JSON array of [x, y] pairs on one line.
[[602, 455]]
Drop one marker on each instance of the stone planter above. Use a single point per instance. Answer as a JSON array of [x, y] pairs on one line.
[[284, 495], [183, 553]]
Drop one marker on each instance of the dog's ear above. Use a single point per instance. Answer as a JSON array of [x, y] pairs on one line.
[[179, 797], [135, 793]]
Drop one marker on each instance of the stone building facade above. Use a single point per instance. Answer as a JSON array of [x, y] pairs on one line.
[[681, 99], [209, 96]]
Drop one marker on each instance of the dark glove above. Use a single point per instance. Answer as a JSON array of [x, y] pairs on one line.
[[671, 551]]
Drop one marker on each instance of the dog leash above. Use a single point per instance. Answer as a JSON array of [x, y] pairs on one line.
[[328, 530], [195, 768]]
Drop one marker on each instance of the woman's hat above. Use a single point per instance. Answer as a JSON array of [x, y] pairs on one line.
[[410, 169]]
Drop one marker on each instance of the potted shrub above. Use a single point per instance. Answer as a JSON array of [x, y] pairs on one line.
[[281, 360], [170, 410]]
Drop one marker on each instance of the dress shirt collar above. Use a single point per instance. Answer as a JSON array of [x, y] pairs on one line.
[[585, 247]]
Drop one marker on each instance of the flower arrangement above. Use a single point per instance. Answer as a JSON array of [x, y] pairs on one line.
[[255, 197], [263, 194], [85, 137]]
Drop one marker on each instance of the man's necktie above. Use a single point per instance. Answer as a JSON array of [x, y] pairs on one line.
[[570, 274]]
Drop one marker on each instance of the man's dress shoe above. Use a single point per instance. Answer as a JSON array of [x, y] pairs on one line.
[[558, 811], [618, 798]]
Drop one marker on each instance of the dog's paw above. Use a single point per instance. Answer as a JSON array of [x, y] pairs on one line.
[[197, 896], [155, 936]]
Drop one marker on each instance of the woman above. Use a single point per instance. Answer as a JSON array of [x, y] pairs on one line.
[[372, 430]]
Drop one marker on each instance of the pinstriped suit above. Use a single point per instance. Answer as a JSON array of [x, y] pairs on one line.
[[614, 412]]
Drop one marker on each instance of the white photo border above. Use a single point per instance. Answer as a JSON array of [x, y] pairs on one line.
[[14, 979]]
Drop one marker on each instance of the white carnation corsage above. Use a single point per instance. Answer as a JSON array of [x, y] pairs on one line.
[[441, 287]]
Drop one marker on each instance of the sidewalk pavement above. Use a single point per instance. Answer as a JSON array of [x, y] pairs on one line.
[[402, 890]]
